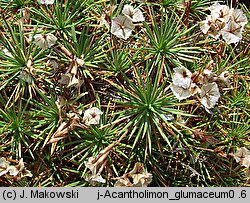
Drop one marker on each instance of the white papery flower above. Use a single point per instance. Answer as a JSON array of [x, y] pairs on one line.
[[180, 92], [241, 153], [181, 86], [94, 179], [45, 41], [182, 77], [22, 170], [46, 1], [206, 24], [122, 27], [222, 12], [210, 95], [92, 116], [212, 26], [242, 156], [140, 177], [231, 33], [89, 164], [18, 170], [3, 166], [98, 178], [12, 170], [134, 15], [239, 17], [3, 163]]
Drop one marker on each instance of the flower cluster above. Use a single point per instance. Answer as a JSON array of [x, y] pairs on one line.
[[242, 156], [140, 177], [185, 84], [16, 172], [225, 22], [122, 26]]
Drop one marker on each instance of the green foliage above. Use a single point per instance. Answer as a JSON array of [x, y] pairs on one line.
[[167, 38], [62, 17]]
